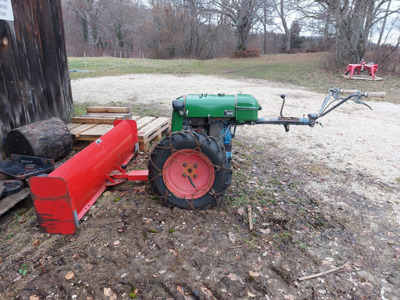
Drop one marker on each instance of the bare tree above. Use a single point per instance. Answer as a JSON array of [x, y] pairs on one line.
[[242, 14], [265, 19], [384, 23], [281, 7], [353, 21], [121, 20], [90, 11]]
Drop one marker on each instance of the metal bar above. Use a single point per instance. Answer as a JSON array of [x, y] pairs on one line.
[[285, 121], [335, 106], [325, 103], [136, 175]]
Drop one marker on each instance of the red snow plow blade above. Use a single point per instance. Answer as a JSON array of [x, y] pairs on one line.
[[66, 194]]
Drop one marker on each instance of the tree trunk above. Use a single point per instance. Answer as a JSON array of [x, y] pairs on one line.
[[47, 139], [284, 24], [33, 66], [384, 23]]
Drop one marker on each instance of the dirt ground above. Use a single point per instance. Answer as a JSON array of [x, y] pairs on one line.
[[322, 199]]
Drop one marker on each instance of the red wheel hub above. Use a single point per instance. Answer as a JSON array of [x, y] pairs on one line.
[[188, 174]]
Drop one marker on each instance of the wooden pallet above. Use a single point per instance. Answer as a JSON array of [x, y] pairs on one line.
[[103, 115], [152, 131], [94, 126], [362, 77]]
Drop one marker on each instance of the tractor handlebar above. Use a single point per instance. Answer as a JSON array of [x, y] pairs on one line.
[[355, 95], [334, 95]]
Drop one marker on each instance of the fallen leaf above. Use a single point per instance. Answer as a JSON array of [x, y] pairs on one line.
[[34, 297], [232, 237], [254, 274], [36, 243], [109, 293], [75, 256], [116, 243], [162, 271], [250, 295], [206, 291], [204, 249], [69, 275], [241, 211], [265, 231], [107, 193], [180, 290], [233, 277], [173, 252]]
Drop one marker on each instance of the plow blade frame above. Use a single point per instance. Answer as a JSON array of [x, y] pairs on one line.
[[63, 197]]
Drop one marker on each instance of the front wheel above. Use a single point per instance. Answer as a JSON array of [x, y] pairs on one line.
[[189, 170]]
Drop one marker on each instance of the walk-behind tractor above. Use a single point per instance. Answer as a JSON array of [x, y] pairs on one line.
[[190, 168]]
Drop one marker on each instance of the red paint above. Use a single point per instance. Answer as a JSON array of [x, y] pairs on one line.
[[76, 184], [184, 163], [53, 205], [140, 175], [355, 69]]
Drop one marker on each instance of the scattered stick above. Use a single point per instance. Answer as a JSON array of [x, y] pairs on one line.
[[323, 273], [250, 217]]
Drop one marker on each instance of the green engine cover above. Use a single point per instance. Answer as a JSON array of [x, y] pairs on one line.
[[242, 108]]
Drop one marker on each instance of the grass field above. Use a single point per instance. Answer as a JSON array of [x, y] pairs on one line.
[[298, 69]]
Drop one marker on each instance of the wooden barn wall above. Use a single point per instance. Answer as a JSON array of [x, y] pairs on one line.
[[34, 78]]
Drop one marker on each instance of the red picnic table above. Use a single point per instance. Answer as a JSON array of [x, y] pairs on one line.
[[356, 69]]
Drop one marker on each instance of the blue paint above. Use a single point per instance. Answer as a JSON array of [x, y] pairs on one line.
[[228, 139]]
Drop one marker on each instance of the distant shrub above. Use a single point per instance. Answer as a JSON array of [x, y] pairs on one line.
[[388, 58], [250, 52]]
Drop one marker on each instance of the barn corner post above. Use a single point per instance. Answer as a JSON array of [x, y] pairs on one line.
[[34, 77]]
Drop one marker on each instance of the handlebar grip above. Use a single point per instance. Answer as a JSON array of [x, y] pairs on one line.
[[349, 91], [375, 94], [366, 94]]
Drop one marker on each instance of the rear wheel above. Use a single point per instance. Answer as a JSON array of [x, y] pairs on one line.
[[189, 170]]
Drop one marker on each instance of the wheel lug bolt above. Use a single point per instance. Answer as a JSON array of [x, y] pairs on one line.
[[195, 165], [194, 175], [185, 165], [184, 175]]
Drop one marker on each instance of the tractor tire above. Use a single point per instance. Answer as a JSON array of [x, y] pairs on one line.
[[189, 170]]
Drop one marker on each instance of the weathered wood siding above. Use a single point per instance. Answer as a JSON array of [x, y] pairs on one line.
[[34, 78]]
